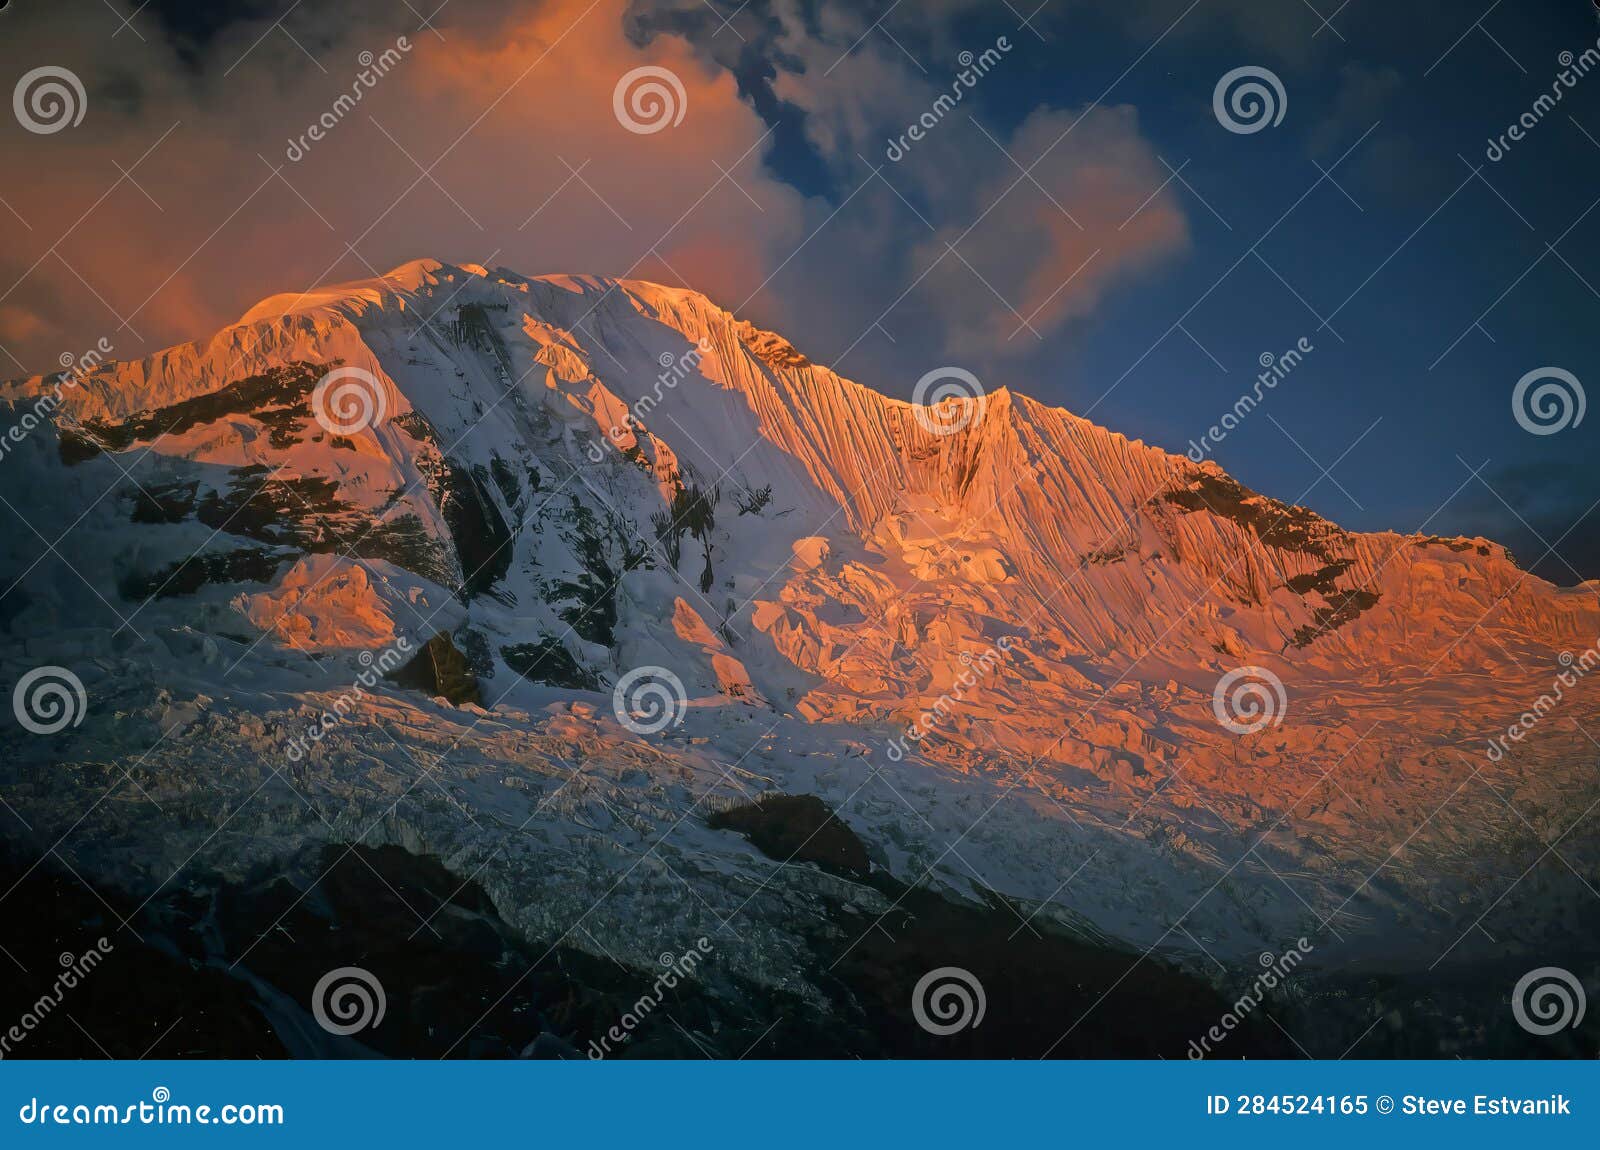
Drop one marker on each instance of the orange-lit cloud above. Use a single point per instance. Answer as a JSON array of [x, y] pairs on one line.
[[510, 107], [516, 98], [1052, 242]]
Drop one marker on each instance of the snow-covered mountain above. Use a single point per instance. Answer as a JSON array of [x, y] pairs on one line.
[[1017, 653]]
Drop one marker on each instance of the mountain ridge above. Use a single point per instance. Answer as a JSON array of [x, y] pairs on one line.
[[1053, 608]]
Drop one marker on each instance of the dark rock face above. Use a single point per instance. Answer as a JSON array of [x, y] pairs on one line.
[[278, 398], [548, 661], [1275, 524], [798, 828], [230, 969], [440, 669], [148, 994]]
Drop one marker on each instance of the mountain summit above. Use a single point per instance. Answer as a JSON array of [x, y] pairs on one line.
[[627, 561]]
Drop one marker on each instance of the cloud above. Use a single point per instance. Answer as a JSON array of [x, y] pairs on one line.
[[857, 89], [537, 172], [510, 109], [18, 324], [1050, 244]]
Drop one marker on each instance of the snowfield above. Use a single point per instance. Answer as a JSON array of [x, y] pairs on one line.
[[1048, 605]]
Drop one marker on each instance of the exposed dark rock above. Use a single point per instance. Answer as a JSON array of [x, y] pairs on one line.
[[1275, 524], [548, 661], [482, 539], [439, 669], [164, 503], [416, 425], [137, 1000], [1046, 994], [606, 554], [1343, 607], [505, 478], [243, 565], [306, 512], [278, 399], [1457, 545], [1322, 580], [798, 827]]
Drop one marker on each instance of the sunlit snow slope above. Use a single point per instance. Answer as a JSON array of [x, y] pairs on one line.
[[1048, 604]]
